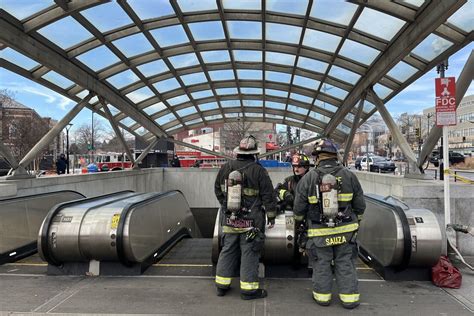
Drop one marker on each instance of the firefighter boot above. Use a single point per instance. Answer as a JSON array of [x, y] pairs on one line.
[[221, 292], [350, 305], [260, 293]]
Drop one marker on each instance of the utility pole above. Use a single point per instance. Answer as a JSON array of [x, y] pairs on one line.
[[447, 205], [92, 138], [67, 145], [367, 152]]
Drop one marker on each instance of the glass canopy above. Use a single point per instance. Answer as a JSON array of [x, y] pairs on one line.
[[166, 66]]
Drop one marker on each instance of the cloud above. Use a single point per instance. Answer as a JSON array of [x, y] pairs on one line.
[[48, 95]]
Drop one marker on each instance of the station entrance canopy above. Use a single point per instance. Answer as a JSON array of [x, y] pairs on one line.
[[167, 66]]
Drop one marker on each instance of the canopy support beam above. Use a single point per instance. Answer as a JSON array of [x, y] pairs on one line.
[[49, 137], [116, 129], [355, 125], [396, 133]]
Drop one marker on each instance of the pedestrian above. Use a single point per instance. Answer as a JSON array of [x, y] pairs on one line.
[[175, 162], [61, 164], [243, 187], [331, 201]]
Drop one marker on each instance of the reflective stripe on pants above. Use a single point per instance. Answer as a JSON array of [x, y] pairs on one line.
[[322, 297], [223, 280], [249, 286], [235, 250], [349, 298], [344, 264]]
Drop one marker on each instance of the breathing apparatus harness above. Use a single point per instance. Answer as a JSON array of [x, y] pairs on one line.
[[327, 190], [234, 190]]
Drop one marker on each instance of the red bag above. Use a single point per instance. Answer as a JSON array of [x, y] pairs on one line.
[[444, 274]]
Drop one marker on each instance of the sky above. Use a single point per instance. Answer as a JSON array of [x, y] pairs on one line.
[[418, 96]]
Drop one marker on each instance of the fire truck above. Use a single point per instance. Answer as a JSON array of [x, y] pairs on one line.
[[190, 159], [112, 161], [105, 161]]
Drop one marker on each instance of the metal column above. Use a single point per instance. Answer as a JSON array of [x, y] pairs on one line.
[[462, 84], [355, 125], [116, 129], [144, 153], [397, 135], [49, 137]]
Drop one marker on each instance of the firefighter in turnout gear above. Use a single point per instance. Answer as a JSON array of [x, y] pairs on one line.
[[286, 191], [246, 195], [331, 200]]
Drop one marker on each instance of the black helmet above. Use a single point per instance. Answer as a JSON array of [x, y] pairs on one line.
[[247, 146], [325, 146], [300, 160]]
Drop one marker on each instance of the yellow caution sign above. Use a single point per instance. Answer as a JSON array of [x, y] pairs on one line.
[[115, 221]]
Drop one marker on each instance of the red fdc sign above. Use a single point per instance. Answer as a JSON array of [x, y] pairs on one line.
[[445, 89]]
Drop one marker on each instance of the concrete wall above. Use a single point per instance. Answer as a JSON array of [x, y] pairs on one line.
[[197, 186], [146, 180], [428, 194]]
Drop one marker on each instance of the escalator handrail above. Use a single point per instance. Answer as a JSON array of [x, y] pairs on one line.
[[38, 194], [121, 224], [31, 248], [405, 228]]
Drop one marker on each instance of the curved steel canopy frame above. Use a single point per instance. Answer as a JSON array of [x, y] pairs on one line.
[[304, 100]]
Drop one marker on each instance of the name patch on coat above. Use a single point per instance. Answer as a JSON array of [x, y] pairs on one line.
[[239, 222], [336, 240]]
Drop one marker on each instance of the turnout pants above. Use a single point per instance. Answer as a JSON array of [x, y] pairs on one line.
[[344, 257], [237, 251]]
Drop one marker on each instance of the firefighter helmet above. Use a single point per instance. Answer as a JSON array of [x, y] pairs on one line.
[[326, 146], [300, 160], [247, 146]]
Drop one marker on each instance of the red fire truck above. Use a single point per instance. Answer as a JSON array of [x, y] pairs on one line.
[[112, 161], [199, 159], [105, 162]]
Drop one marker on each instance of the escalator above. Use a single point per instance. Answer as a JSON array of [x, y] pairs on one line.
[[21, 220], [119, 233]]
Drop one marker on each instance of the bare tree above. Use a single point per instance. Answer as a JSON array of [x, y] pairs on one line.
[[83, 136], [234, 132], [6, 96]]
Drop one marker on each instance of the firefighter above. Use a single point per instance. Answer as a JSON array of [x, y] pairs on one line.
[[243, 188], [285, 191], [331, 200]]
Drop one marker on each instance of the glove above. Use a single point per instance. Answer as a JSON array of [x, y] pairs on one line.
[[289, 198]]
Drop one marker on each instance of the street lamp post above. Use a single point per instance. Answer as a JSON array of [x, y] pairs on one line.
[[67, 145]]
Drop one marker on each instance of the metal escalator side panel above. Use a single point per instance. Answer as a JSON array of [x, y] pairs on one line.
[[426, 238], [21, 220], [280, 243], [146, 226], [58, 237], [216, 237], [98, 231], [384, 233]]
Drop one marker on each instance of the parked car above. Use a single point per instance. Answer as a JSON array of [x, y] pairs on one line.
[[377, 164], [454, 158]]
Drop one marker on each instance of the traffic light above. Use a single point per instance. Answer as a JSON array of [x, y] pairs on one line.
[[417, 132]]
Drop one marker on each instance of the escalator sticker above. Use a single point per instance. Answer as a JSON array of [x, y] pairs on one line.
[[115, 221]]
